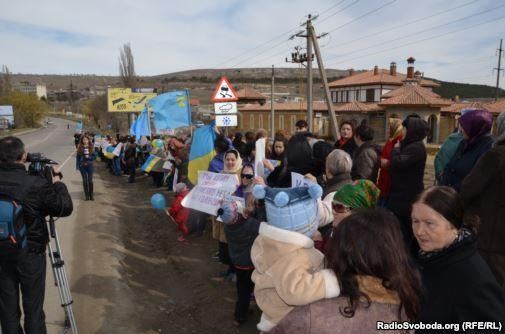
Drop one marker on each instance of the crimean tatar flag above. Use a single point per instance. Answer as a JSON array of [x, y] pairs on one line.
[[201, 152]]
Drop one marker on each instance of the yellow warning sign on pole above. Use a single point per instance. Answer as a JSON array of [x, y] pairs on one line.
[[124, 100]]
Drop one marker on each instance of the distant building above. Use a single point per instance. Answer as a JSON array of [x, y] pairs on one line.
[[29, 88], [249, 95], [371, 85]]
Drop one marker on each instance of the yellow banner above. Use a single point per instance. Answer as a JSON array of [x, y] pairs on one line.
[[123, 100]]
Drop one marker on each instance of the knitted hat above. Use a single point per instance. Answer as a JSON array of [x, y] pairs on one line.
[[180, 187], [361, 194], [292, 209]]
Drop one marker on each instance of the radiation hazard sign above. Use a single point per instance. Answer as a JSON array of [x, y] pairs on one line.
[[224, 92]]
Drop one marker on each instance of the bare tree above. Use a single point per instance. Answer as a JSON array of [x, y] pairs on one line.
[[5, 81], [127, 66]]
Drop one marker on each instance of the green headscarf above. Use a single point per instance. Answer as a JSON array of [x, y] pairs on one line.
[[361, 194]]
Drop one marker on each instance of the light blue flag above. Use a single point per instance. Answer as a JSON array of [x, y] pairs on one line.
[[142, 125], [171, 110]]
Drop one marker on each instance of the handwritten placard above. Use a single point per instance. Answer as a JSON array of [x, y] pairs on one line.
[[297, 180]]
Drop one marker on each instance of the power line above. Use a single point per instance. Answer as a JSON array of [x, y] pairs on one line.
[[407, 23], [416, 33], [337, 12], [362, 16], [420, 41]]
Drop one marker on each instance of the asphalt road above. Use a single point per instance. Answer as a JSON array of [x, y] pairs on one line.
[[89, 242]]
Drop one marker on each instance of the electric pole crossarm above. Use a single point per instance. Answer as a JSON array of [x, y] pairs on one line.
[[322, 72]]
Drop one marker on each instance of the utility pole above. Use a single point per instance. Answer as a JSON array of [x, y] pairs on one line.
[[309, 73], [498, 71], [322, 72], [272, 110]]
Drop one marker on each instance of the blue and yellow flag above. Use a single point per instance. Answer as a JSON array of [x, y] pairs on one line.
[[171, 110], [201, 152]]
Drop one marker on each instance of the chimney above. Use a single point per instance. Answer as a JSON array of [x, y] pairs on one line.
[[351, 72], [376, 70], [392, 68], [418, 75], [410, 68], [456, 99]]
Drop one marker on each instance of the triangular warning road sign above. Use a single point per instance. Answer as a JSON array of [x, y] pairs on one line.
[[224, 92]]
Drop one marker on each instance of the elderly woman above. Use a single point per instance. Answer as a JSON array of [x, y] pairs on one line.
[[378, 285], [458, 284], [482, 192], [476, 127], [360, 194]]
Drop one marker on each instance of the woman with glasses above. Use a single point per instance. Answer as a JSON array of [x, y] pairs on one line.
[[246, 181], [361, 194]]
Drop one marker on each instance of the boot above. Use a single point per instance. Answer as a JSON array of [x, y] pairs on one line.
[[91, 191], [86, 190]]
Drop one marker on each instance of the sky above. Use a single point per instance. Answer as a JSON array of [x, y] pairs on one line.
[[451, 40]]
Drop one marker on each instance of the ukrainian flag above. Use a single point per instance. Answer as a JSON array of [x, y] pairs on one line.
[[150, 163], [201, 152]]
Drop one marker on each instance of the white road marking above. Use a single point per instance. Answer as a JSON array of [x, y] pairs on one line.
[[66, 160]]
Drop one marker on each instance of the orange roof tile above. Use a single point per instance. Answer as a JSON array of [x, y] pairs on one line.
[[383, 77], [496, 107], [288, 106], [401, 90], [356, 106], [414, 95], [457, 106], [249, 93]]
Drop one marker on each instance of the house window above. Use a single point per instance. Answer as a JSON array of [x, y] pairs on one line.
[[370, 95], [356, 97], [340, 96], [260, 121], [293, 122], [251, 121], [281, 122], [347, 96]]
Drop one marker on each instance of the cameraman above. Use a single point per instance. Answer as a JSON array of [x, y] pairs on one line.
[[26, 271]]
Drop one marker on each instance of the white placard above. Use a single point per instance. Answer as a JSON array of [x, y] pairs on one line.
[[259, 157], [210, 191], [167, 165], [297, 180], [225, 108], [117, 150], [226, 120]]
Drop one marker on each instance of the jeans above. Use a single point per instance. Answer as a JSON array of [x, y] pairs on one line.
[[245, 287], [28, 273], [116, 166], [86, 172]]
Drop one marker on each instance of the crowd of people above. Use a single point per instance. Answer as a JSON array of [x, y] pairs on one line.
[[365, 242]]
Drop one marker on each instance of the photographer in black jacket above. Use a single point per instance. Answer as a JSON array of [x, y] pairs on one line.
[[26, 270]]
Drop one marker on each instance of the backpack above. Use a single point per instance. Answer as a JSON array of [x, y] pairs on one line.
[[13, 231]]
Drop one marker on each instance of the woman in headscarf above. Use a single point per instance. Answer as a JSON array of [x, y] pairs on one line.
[[476, 127], [483, 192], [395, 135]]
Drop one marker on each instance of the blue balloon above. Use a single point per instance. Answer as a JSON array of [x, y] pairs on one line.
[[159, 202]]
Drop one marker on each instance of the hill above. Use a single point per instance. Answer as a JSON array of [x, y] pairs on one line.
[[200, 82]]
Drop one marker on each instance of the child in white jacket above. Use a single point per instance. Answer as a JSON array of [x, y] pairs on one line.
[[289, 271]]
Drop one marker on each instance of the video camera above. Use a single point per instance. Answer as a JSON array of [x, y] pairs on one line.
[[40, 166]]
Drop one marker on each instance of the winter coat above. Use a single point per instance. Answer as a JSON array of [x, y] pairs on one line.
[[288, 272], [39, 199], [407, 169], [365, 164], [216, 165], [446, 152], [348, 146], [240, 237], [483, 192], [324, 317], [130, 155], [463, 161], [384, 180], [177, 211], [459, 286], [335, 183]]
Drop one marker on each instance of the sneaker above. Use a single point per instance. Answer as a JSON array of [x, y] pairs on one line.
[[181, 239]]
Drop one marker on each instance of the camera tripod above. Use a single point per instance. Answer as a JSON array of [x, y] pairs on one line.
[[60, 278]]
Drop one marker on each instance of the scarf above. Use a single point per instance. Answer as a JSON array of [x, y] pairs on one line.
[[463, 235], [361, 194], [373, 288], [476, 123]]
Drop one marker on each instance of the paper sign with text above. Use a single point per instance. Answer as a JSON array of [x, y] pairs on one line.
[[297, 180]]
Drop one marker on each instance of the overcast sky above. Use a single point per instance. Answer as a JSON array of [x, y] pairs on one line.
[[451, 40]]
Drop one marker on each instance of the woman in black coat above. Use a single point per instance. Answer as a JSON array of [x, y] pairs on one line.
[[476, 127], [407, 172], [458, 284]]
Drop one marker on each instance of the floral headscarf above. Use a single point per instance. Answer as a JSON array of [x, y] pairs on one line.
[[361, 194]]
